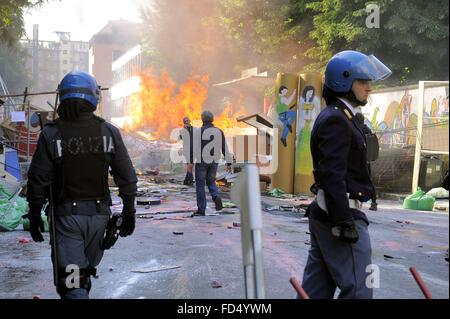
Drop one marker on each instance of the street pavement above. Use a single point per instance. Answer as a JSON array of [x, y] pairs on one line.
[[208, 253]]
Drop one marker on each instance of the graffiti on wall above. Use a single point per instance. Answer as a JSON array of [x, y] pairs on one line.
[[393, 114]]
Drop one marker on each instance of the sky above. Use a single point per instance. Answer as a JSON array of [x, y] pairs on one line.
[[83, 18]]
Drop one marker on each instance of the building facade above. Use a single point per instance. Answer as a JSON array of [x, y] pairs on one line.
[[111, 42], [49, 61]]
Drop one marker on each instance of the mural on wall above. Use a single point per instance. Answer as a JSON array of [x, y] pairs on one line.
[[394, 113], [309, 109]]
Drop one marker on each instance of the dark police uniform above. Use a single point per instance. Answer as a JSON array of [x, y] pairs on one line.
[[77, 156], [338, 148]]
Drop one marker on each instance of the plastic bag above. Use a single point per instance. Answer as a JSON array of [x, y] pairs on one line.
[[419, 201]]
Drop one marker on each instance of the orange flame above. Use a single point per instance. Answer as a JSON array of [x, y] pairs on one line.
[[160, 105]]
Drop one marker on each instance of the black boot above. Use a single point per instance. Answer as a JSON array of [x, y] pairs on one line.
[[218, 202], [373, 206]]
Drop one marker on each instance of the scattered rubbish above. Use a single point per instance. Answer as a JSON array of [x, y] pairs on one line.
[[272, 208], [24, 240], [276, 192], [419, 201], [308, 233], [211, 234], [228, 205], [287, 208], [230, 227], [227, 212], [216, 284], [236, 224], [12, 207], [148, 201], [442, 206], [111, 268], [307, 243], [403, 222], [154, 269], [420, 246], [178, 233], [392, 257], [438, 193], [275, 234], [145, 217]]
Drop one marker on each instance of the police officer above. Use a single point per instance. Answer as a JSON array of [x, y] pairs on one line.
[[340, 245], [74, 154]]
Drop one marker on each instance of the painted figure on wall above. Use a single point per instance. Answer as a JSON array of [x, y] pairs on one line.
[[285, 113], [309, 106]]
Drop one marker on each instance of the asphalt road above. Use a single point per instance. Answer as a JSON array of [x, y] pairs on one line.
[[209, 250]]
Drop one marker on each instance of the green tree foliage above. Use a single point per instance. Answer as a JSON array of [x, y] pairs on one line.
[[412, 38], [12, 55], [296, 35], [11, 18]]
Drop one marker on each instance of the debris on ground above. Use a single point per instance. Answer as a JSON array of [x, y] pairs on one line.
[[419, 201], [12, 206], [236, 224], [154, 269], [227, 204], [438, 193], [216, 284], [152, 201], [276, 192], [24, 240], [392, 257], [178, 233]]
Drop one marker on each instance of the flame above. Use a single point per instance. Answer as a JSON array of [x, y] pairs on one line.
[[160, 105]]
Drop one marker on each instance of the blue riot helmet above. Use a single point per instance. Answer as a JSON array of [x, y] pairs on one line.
[[347, 66], [79, 85]]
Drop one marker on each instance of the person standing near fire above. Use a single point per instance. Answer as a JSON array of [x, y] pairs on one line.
[[186, 136], [340, 253], [213, 146]]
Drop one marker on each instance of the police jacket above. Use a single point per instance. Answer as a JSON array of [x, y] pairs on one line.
[[75, 157], [339, 152]]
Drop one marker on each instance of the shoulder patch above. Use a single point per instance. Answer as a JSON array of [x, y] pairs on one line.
[[347, 113]]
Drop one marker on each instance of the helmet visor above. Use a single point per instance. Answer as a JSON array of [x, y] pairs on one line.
[[374, 69]]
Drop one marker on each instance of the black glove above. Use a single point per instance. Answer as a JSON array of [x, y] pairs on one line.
[[36, 222], [128, 224], [129, 217], [36, 226], [346, 231]]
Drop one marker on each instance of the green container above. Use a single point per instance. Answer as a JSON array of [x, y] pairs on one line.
[[419, 201]]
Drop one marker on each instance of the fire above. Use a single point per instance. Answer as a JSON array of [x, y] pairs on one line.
[[161, 104]]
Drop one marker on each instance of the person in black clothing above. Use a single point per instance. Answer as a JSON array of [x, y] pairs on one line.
[[340, 253], [74, 155], [187, 137], [206, 162]]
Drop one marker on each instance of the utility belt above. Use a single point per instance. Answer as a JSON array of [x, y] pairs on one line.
[[84, 207], [320, 199]]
